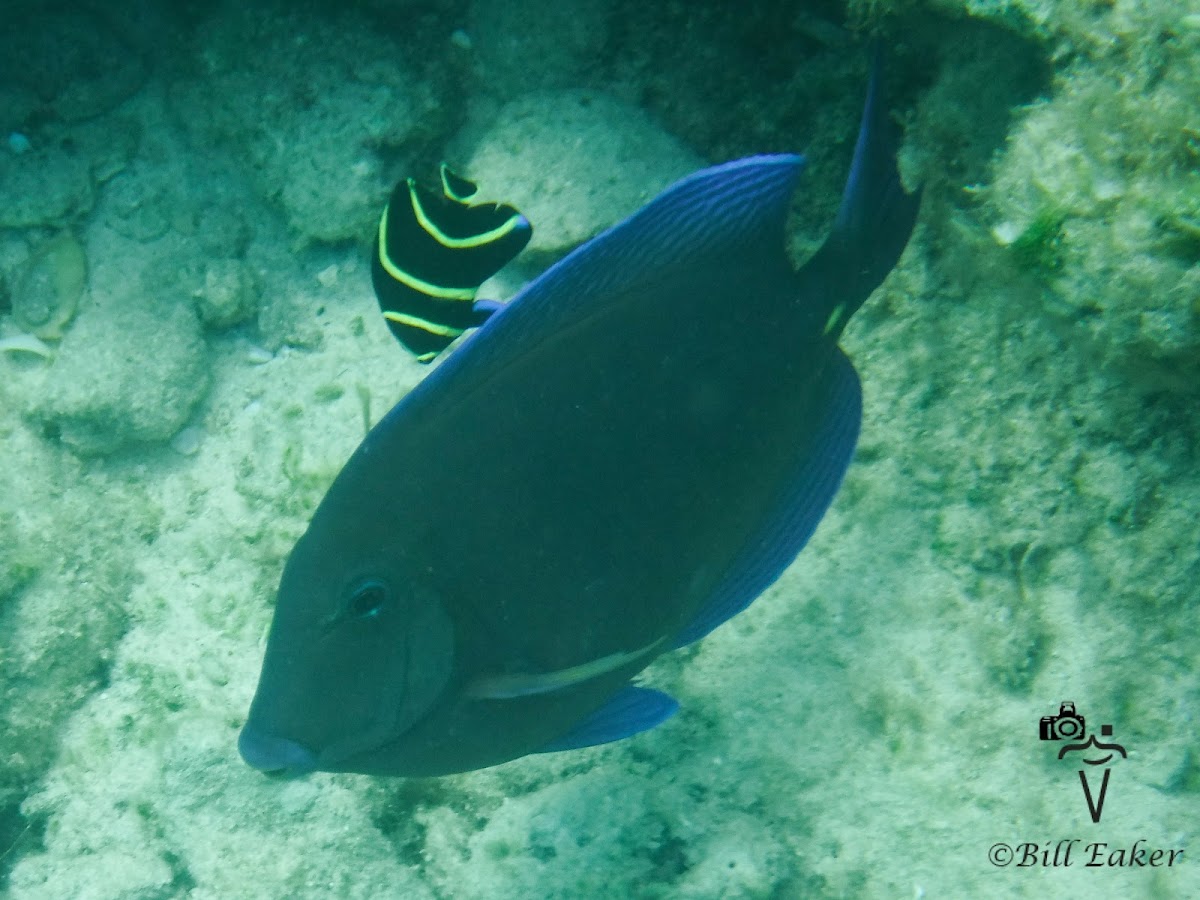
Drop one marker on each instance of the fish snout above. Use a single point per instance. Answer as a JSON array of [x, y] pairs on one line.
[[275, 755]]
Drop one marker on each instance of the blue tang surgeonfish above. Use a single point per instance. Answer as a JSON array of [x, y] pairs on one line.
[[616, 462]]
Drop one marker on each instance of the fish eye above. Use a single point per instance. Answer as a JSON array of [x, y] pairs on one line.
[[366, 600]]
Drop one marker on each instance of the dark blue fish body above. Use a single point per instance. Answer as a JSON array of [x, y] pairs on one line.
[[617, 462]]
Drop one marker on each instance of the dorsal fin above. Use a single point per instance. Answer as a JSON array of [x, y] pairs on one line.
[[737, 209], [711, 213]]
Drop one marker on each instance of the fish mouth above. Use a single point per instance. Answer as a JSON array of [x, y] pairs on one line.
[[275, 755]]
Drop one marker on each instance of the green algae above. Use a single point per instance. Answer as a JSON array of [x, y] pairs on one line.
[[19, 564], [48, 292], [1039, 248]]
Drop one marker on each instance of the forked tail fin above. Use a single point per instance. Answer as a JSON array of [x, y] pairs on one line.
[[876, 216]]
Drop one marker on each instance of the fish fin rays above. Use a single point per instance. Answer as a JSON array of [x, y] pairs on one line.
[[739, 205], [802, 505], [735, 211], [632, 711]]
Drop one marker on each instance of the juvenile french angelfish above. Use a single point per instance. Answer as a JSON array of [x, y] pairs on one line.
[[617, 462], [432, 252]]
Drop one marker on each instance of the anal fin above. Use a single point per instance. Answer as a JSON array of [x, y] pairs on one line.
[[631, 711], [801, 506]]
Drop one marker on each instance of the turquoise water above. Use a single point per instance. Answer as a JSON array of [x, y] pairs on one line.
[[1018, 529]]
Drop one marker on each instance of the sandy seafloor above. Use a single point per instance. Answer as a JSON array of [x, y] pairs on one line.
[[1019, 527]]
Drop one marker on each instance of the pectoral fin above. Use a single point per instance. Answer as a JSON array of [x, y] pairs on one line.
[[522, 684]]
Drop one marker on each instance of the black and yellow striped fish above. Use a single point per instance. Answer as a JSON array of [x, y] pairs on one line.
[[433, 252]]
